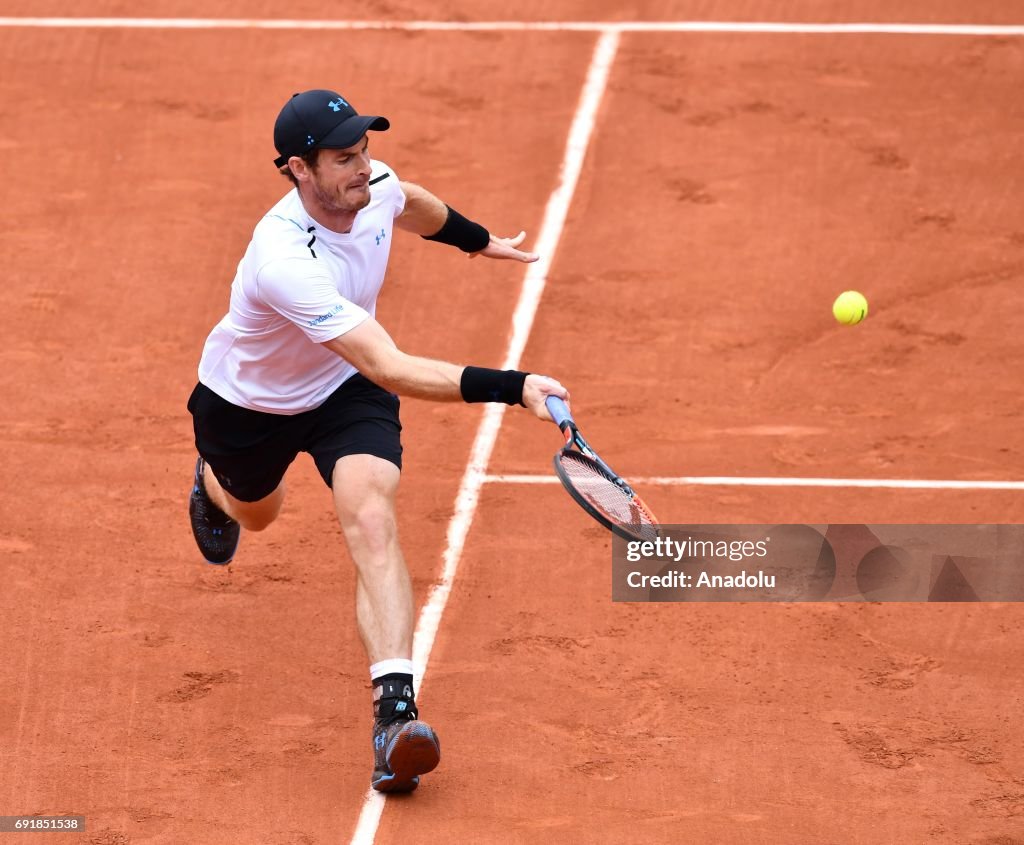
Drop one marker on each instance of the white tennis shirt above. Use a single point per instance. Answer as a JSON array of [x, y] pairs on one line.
[[297, 286]]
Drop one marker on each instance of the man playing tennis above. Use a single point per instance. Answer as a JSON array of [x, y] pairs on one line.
[[299, 364]]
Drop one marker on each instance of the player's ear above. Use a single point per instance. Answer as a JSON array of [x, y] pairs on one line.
[[300, 170]]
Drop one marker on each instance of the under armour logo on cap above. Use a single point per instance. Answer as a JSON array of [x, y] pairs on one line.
[[336, 106]]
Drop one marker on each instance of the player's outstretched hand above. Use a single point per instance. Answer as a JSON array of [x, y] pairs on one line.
[[506, 248], [538, 388]]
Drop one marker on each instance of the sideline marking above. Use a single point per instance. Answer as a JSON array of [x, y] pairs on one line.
[[487, 433], [739, 481], [527, 26]]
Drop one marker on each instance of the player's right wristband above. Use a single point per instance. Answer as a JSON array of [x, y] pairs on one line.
[[458, 231], [479, 384]]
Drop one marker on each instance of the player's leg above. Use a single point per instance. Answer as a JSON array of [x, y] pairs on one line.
[[364, 496], [358, 451], [239, 475], [253, 516]]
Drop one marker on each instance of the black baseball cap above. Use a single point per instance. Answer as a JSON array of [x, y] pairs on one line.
[[320, 118]]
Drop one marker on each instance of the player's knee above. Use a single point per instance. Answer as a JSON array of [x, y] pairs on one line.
[[256, 522], [372, 527], [259, 517]]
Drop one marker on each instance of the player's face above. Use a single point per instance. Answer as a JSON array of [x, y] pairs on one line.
[[341, 178]]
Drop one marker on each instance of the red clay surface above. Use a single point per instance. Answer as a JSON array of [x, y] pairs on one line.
[[734, 186]]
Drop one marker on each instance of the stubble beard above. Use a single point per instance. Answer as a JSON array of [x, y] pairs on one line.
[[336, 202]]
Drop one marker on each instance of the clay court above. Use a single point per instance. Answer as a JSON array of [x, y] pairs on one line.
[[730, 183]]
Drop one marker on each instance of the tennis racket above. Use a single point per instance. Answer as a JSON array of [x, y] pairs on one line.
[[593, 484]]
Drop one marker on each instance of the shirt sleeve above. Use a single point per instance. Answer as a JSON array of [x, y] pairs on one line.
[[399, 198], [389, 182], [298, 290]]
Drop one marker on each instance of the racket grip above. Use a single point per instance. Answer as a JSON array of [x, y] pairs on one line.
[[559, 411]]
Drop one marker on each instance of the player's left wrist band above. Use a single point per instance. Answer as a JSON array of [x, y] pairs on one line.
[[460, 232], [479, 384]]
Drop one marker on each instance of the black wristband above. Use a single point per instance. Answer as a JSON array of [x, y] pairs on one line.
[[458, 231], [479, 384]]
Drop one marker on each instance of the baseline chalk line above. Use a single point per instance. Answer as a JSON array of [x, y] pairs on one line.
[[755, 27]]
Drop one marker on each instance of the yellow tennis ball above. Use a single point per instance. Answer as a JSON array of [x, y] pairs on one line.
[[850, 307]]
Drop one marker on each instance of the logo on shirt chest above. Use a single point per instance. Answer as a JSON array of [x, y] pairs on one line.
[[380, 237]]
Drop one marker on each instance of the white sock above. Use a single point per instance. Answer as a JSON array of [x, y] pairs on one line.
[[391, 666]]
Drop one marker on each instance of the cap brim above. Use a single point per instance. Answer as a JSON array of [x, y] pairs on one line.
[[348, 132]]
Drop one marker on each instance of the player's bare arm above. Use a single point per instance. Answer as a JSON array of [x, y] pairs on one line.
[[429, 217], [370, 349], [424, 214]]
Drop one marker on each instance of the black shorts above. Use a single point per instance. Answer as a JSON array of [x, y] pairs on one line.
[[249, 451]]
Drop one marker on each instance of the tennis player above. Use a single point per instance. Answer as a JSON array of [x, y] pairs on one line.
[[299, 364]]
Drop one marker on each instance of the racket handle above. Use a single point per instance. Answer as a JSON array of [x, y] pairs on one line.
[[559, 412]]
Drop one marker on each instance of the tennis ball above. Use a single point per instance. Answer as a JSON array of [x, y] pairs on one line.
[[850, 307]]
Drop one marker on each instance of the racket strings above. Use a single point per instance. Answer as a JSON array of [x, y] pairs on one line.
[[612, 500]]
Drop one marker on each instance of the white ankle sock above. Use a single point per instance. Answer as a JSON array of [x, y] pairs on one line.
[[391, 666]]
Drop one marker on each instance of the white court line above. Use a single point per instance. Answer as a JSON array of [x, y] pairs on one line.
[[522, 322], [523, 26], [769, 481]]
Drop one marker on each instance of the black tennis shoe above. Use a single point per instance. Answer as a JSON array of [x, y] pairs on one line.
[[402, 751], [216, 533]]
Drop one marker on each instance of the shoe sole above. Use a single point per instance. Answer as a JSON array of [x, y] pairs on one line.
[[414, 751]]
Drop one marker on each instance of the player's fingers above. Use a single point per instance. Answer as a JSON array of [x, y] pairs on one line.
[[501, 251], [543, 411], [556, 388], [518, 239]]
